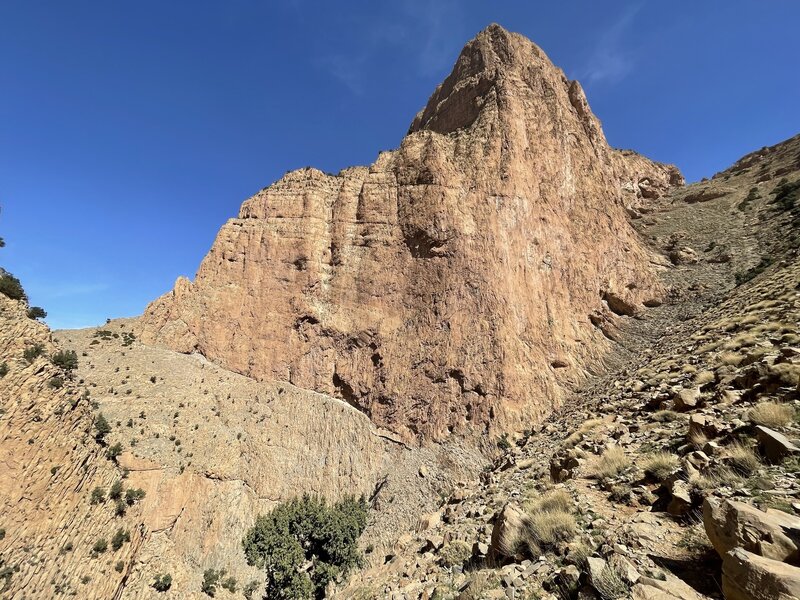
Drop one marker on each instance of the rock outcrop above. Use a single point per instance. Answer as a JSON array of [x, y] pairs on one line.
[[461, 282]]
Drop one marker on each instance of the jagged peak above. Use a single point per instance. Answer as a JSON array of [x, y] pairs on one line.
[[492, 56]]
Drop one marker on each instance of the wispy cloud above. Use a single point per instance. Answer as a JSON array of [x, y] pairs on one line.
[[424, 29], [610, 62], [67, 290]]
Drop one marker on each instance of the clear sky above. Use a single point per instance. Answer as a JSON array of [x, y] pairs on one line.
[[130, 131]]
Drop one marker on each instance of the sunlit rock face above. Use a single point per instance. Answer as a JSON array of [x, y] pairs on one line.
[[457, 285]]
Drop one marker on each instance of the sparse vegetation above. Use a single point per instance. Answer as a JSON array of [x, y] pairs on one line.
[[742, 459], [98, 495], [115, 493], [301, 530], [3, 369], [114, 451]]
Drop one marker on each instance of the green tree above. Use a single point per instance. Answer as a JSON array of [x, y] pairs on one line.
[[101, 428], [11, 287], [120, 537], [32, 352], [211, 579], [36, 312], [301, 531]]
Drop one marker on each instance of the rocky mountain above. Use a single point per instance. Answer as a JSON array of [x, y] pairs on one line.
[[461, 283], [552, 370]]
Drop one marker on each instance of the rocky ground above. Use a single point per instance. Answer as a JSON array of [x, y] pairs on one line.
[[683, 455]]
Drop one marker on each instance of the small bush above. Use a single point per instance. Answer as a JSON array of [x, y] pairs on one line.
[[55, 382], [65, 359], [503, 443], [100, 546], [120, 537], [132, 496], [3, 369], [120, 508], [11, 287], [162, 582], [114, 451], [36, 312], [33, 352], [115, 493], [211, 579], [611, 463], [229, 584], [119, 566], [660, 465], [250, 589], [774, 415], [98, 495]]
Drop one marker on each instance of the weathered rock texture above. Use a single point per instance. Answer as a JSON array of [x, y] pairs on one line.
[[461, 280]]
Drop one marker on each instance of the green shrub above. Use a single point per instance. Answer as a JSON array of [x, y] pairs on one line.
[[114, 451], [100, 546], [132, 496], [211, 578], [3, 369], [31, 353], [119, 566], [55, 382], [101, 428], [250, 589], [162, 582], [301, 531], [36, 312], [98, 495], [120, 508], [11, 287], [120, 537], [229, 584], [66, 359], [115, 493]]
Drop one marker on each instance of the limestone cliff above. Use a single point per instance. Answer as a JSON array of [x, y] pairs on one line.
[[460, 282]]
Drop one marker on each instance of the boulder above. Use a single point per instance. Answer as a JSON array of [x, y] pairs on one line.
[[774, 445], [681, 502], [506, 533], [731, 524], [747, 576], [687, 399]]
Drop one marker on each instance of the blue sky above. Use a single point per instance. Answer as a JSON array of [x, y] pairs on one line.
[[129, 132]]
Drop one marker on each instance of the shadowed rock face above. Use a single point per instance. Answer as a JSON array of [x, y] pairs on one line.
[[455, 285]]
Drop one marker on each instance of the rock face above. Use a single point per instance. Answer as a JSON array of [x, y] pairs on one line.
[[435, 289]]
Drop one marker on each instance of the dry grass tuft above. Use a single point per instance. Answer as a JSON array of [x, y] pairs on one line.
[[774, 415], [698, 439], [549, 520], [732, 359], [581, 432], [716, 478], [704, 377], [742, 458], [660, 465], [665, 416], [611, 463], [610, 585]]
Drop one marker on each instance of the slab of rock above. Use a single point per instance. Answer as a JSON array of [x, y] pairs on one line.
[[687, 399], [670, 588], [747, 576], [681, 502], [774, 445], [732, 524], [507, 531]]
